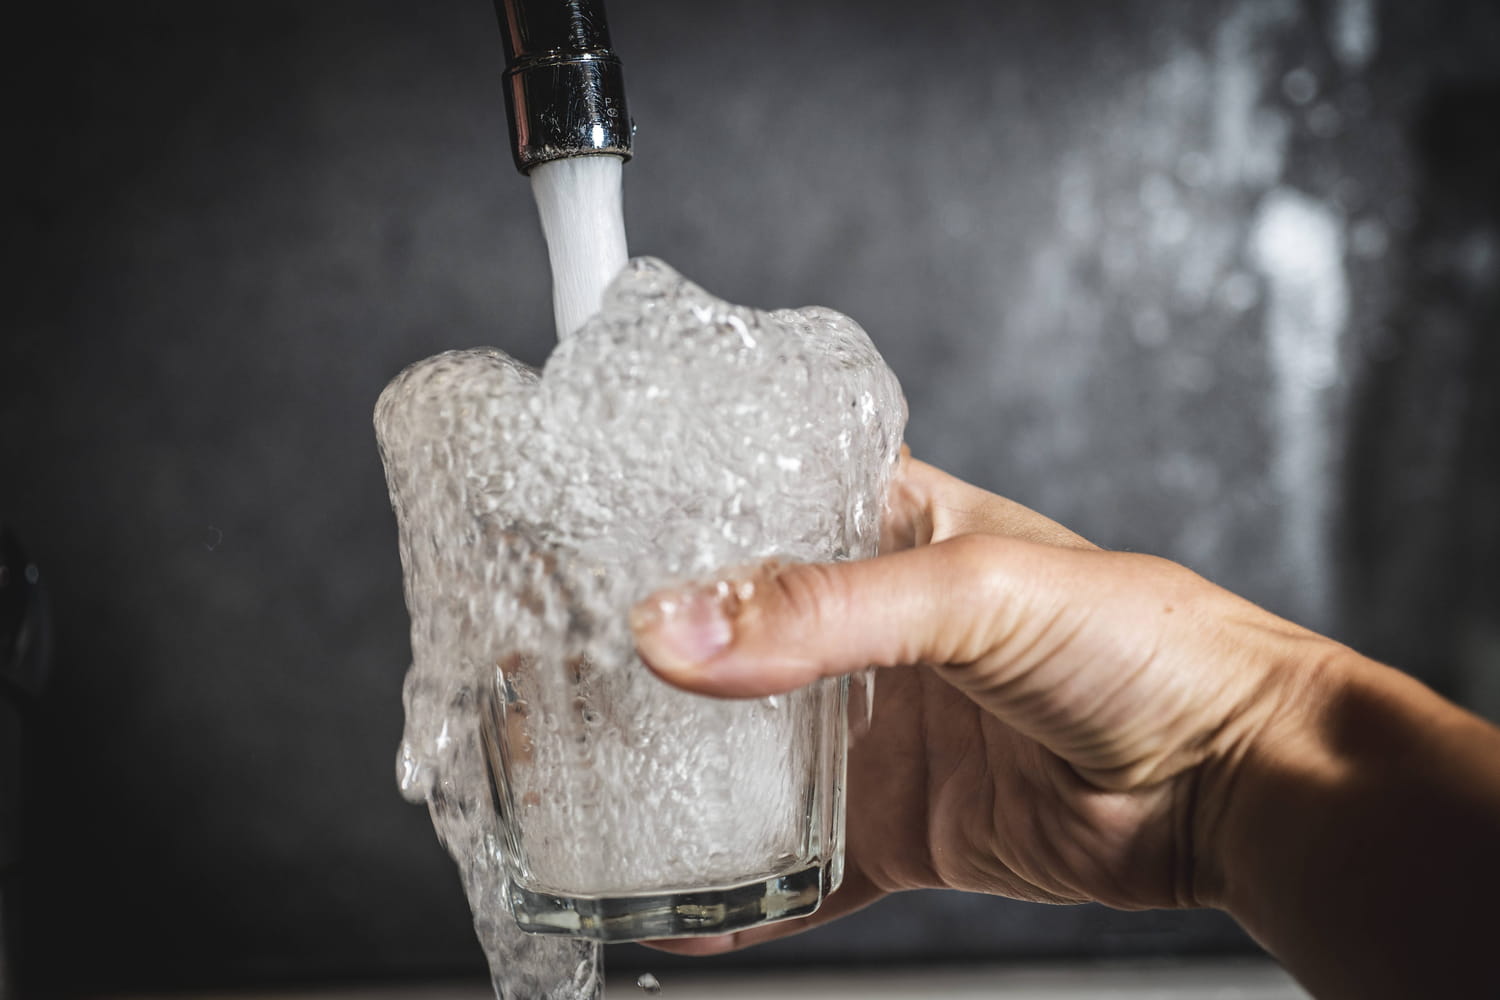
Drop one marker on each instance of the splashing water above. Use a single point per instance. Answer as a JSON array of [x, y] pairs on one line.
[[670, 435]]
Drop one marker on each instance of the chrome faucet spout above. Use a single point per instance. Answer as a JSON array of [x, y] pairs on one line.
[[564, 88]]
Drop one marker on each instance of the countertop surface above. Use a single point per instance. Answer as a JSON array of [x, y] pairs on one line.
[[1238, 980]]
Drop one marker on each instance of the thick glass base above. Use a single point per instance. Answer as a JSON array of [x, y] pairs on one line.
[[673, 914]]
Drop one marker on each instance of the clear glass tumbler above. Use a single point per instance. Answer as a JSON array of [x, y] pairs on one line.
[[632, 810]]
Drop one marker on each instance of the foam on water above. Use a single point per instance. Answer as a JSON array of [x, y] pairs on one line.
[[670, 436]]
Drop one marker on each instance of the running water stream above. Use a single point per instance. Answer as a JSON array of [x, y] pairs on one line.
[[579, 200]]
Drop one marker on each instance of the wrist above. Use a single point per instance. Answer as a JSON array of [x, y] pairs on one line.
[[1271, 767], [1360, 800]]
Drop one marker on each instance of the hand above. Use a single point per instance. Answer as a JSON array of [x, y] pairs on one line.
[[1062, 720], [1064, 724]]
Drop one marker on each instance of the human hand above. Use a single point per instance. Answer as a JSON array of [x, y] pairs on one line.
[[1063, 724]]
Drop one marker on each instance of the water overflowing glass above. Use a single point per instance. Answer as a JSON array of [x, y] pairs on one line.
[[671, 435]]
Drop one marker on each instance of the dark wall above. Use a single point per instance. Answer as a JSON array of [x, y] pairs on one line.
[[1219, 280]]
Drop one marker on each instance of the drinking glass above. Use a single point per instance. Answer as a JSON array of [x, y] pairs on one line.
[[631, 810]]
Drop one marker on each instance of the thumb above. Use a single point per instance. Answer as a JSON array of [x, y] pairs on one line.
[[778, 627]]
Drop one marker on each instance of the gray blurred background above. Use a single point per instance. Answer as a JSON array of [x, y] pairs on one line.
[[1215, 279]]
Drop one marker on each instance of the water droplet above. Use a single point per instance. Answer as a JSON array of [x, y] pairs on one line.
[[1300, 86], [648, 984]]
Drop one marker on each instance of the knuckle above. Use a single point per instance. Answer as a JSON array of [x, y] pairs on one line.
[[973, 578], [980, 564], [809, 592], [1168, 580]]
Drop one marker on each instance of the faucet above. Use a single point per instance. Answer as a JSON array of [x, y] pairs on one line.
[[564, 89]]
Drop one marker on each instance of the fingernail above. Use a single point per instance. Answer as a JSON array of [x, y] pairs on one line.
[[682, 629]]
